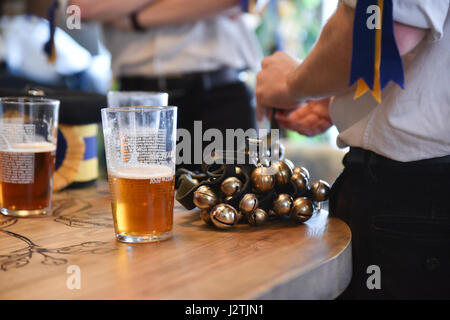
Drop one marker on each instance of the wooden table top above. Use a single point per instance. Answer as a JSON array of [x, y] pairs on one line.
[[278, 261]]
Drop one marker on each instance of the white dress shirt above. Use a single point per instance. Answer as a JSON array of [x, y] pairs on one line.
[[411, 124], [204, 45]]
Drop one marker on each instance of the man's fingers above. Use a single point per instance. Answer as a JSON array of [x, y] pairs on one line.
[[280, 116], [308, 127], [309, 120], [269, 112], [259, 112], [324, 125], [265, 62], [284, 115], [290, 125], [303, 111]]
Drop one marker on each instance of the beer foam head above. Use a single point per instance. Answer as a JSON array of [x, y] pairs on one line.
[[146, 172], [34, 147]]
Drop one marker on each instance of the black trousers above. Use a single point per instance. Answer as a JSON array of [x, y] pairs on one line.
[[224, 107], [399, 215]]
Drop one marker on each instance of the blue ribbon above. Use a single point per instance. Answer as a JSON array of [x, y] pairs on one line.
[[391, 62], [363, 52], [48, 46], [364, 46], [245, 5], [249, 5]]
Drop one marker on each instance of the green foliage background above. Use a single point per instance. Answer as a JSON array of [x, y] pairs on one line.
[[296, 25]]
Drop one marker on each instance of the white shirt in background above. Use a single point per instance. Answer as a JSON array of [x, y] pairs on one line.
[[204, 45]]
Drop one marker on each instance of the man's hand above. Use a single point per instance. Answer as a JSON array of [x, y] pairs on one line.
[[272, 84], [310, 119]]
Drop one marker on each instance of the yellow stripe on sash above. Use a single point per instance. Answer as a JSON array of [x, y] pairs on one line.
[[362, 85]]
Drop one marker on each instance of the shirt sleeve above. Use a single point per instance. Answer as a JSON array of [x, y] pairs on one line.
[[426, 14]]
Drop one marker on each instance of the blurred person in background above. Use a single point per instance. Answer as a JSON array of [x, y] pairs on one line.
[[79, 61], [195, 50], [394, 189]]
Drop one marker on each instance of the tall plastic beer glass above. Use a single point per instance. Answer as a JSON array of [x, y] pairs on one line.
[[140, 145], [28, 131]]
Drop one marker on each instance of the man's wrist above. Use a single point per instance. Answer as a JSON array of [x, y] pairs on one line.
[[136, 25], [292, 86]]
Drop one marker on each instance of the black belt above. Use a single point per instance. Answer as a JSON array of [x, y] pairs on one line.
[[361, 157], [203, 80]]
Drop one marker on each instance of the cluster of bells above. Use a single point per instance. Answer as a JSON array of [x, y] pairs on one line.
[[264, 179]]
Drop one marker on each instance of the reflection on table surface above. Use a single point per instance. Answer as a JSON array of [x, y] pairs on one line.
[[281, 260]]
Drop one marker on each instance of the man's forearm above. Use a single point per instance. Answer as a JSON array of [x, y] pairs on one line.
[[107, 10], [167, 12], [326, 70]]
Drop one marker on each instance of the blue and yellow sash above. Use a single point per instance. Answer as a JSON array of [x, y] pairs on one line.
[[375, 57], [253, 6], [49, 46]]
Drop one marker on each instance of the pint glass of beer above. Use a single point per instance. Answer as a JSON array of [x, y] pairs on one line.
[[28, 131], [140, 145]]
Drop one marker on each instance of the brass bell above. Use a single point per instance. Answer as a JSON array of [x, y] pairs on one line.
[[283, 172], [224, 216], [289, 163], [320, 191], [248, 203], [240, 216], [231, 185], [300, 180], [263, 179], [302, 209], [204, 197], [265, 162], [205, 216], [257, 217], [282, 204], [302, 170]]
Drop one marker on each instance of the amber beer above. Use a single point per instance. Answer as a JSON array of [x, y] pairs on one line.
[[142, 201], [26, 178]]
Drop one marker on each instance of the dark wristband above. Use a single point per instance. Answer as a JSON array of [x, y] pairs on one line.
[[135, 23]]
